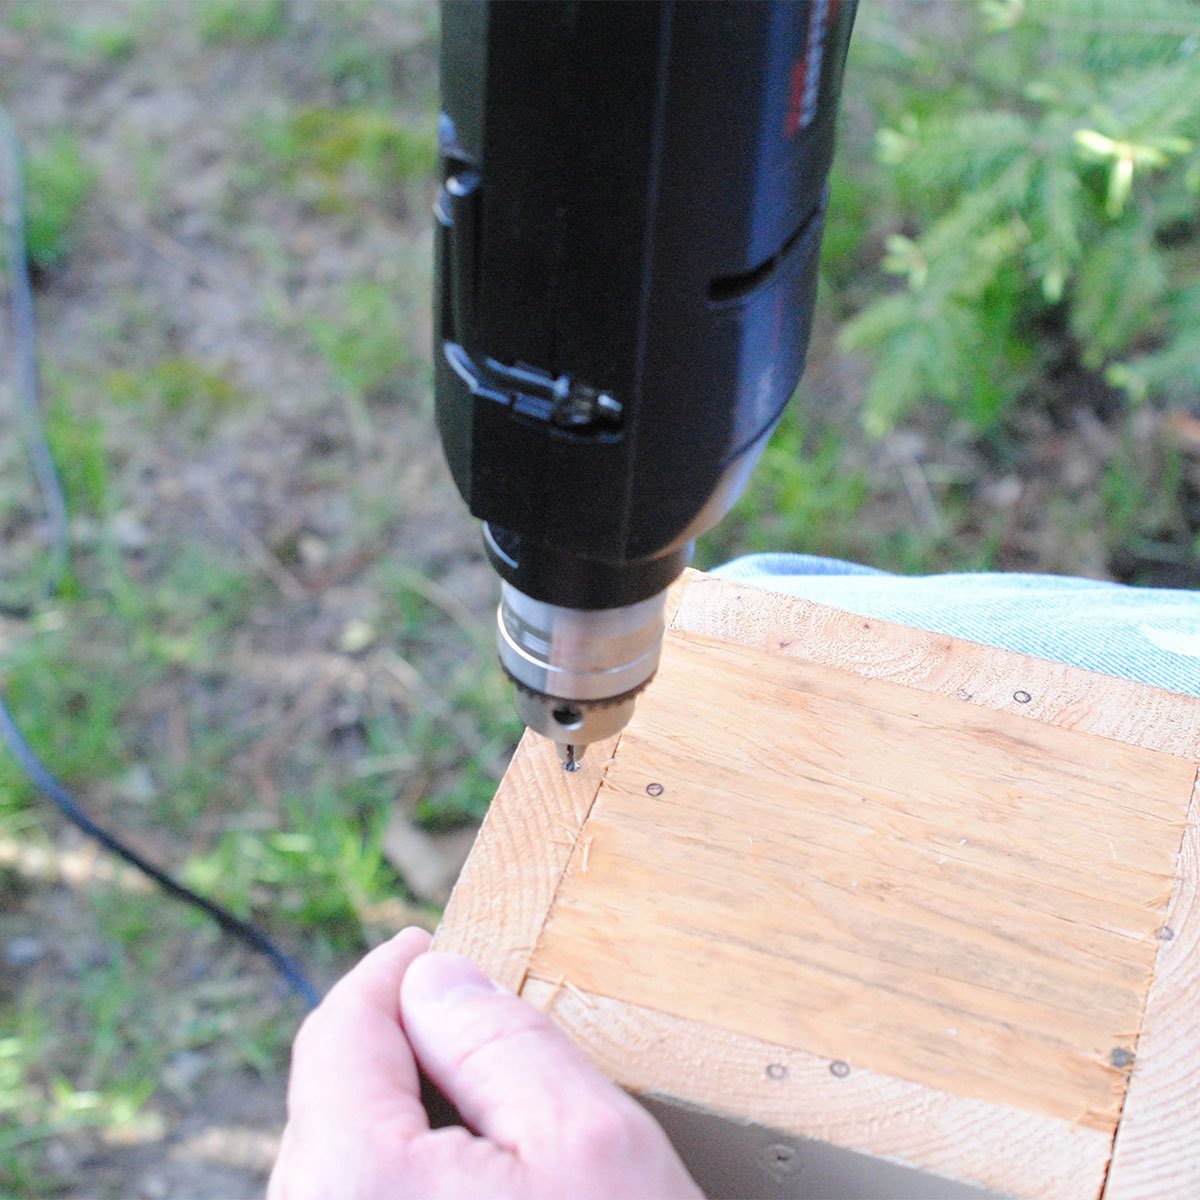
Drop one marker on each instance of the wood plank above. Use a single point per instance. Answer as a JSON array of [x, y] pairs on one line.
[[1002, 1149], [1000, 1146], [875, 875], [1157, 1151], [499, 904], [498, 907], [1053, 693]]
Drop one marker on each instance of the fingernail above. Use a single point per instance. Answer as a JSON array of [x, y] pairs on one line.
[[446, 979]]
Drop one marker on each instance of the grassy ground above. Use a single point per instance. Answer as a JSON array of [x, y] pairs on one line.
[[271, 667]]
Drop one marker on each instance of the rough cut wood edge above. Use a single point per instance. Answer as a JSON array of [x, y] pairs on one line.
[[1157, 1151], [498, 906], [1003, 1149], [1054, 693]]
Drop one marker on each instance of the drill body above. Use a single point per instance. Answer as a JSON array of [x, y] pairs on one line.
[[628, 226]]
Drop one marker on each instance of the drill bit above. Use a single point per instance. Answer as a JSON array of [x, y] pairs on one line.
[[571, 756]]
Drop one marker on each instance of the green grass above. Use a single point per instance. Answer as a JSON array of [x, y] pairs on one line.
[[1142, 501], [78, 680], [108, 43], [368, 342], [68, 693], [83, 38], [177, 394], [324, 871], [337, 157], [77, 443], [72, 1060], [57, 182], [804, 496], [134, 685], [243, 22], [36, 1104]]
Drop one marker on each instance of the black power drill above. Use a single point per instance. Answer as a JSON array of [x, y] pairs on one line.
[[626, 264]]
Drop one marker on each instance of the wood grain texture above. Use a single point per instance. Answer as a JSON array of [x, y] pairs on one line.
[[998, 1148], [496, 911], [539, 839], [964, 899], [499, 904], [1060, 695], [1157, 1151]]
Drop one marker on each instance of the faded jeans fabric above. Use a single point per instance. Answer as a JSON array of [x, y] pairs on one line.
[[1148, 634]]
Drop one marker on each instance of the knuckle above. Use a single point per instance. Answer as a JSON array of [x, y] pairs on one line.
[[490, 1030], [387, 1142]]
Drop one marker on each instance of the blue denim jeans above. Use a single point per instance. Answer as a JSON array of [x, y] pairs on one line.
[[1148, 634]]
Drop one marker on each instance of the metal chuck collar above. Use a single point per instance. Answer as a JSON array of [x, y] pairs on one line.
[[578, 671]]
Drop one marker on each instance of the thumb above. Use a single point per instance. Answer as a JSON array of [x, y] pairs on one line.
[[508, 1069]]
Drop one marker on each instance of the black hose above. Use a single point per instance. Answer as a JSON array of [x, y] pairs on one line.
[[24, 332], [24, 338]]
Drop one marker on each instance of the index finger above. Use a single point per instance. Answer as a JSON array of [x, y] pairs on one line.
[[351, 1062]]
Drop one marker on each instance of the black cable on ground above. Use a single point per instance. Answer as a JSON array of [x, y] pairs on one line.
[[24, 340], [66, 804], [24, 335]]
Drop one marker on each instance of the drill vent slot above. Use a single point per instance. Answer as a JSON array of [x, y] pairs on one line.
[[726, 289]]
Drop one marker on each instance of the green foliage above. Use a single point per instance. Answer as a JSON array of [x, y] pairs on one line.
[[852, 197], [57, 182], [359, 70], [1173, 368], [1140, 495], [84, 37], [110, 43], [82, 665], [181, 391], [804, 497], [239, 21], [324, 872], [335, 155], [70, 693], [368, 343], [77, 444], [1046, 167], [36, 1106]]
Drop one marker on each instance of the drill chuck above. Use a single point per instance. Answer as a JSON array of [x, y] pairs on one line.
[[578, 671]]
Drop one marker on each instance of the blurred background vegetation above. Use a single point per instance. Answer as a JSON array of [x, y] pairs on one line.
[[272, 665]]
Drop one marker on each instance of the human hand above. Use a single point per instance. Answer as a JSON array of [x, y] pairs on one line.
[[547, 1123]]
